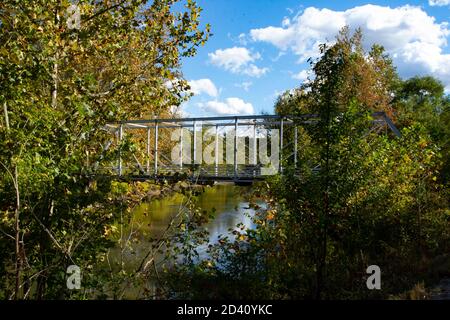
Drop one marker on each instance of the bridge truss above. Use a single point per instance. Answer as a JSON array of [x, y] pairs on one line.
[[241, 149]]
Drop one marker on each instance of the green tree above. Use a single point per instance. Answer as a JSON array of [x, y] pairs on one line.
[[59, 86], [358, 197], [423, 100], [369, 77]]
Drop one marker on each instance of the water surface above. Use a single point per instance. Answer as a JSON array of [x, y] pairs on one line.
[[151, 220]]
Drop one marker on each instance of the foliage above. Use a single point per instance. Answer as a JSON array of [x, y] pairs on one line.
[[423, 100], [371, 198], [368, 77], [59, 86]]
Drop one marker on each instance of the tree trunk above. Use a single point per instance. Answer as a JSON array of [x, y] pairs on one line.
[[55, 82], [5, 110], [17, 236], [17, 251], [55, 73]]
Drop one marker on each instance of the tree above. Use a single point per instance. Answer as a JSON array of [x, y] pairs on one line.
[[357, 197], [368, 77], [423, 100], [369, 189], [59, 86]]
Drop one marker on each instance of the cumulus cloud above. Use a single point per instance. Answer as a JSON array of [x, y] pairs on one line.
[[438, 3], [414, 39], [203, 86], [253, 71], [302, 75], [237, 60], [231, 106]]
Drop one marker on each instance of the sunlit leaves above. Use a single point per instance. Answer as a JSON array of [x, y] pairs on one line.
[[60, 85]]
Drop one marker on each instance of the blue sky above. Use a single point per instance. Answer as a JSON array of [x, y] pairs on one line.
[[259, 48]]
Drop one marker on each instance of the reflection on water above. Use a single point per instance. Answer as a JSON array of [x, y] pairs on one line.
[[151, 220], [231, 209]]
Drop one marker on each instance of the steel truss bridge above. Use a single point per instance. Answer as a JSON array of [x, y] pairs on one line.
[[240, 149]]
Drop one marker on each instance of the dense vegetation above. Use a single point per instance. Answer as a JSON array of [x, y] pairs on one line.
[[372, 198], [59, 86]]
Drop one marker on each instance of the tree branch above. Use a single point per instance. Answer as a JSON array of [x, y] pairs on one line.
[[99, 13]]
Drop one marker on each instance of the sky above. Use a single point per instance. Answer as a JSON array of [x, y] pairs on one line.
[[260, 48]]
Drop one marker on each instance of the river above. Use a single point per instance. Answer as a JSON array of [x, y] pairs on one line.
[[150, 220]]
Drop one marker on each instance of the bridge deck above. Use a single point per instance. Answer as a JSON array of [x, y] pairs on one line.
[[193, 173]]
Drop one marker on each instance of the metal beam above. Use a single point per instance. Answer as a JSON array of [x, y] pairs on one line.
[[229, 118], [235, 146], [181, 148], [304, 119], [243, 124], [255, 160], [194, 158], [156, 148], [216, 152], [281, 145], [120, 149], [295, 146], [148, 150], [391, 125]]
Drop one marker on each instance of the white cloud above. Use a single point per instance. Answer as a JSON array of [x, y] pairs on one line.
[[253, 71], [242, 38], [280, 37], [438, 3], [413, 38], [302, 75], [279, 55], [203, 86], [180, 111], [170, 84], [237, 60], [244, 85], [233, 59], [231, 106]]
